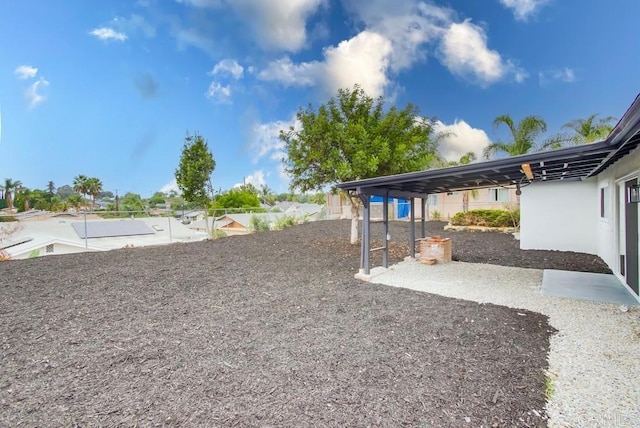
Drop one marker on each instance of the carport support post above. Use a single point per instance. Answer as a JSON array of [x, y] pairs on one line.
[[385, 231], [412, 228], [423, 222], [365, 244]]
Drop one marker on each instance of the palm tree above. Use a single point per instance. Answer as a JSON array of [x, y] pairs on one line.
[[80, 185], [94, 188], [74, 201], [523, 136], [10, 188], [589, 130]]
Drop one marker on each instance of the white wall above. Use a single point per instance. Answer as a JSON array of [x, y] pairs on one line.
[[560, 216], [608, 226]]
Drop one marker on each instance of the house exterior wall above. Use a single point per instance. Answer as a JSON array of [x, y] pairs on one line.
[[58, 249], [449, 204], [560, 216], [609, 225]]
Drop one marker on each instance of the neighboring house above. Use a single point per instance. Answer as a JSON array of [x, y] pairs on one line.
[[67, 235], [446, 205], [583, 198], [239, 224], [311, 212]]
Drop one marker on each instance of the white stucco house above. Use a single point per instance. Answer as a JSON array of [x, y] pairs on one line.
[[582, 198]]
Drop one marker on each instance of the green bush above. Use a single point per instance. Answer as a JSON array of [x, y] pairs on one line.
[[489, 218], [258, 224], [7, 218], [435, 215], [285, 221]]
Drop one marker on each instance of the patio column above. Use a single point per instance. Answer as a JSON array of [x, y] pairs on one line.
[[385, 231], [412, 229], [423, 223], [365, 245]]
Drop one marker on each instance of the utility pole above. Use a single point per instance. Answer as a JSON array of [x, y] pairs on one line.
[[117, 200]]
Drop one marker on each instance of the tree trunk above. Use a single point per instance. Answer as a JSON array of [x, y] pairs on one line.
[[355, 214]]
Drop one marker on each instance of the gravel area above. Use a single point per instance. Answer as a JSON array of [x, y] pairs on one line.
[[272, 329], [593, 362]]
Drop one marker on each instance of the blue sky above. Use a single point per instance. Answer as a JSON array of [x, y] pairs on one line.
[[109, 89]]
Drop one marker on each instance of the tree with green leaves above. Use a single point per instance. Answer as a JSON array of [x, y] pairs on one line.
[[194, 172], [80, 185], [523, 136], [352, 137], [10, 187], [51, 188], [589, 130], [585, 131], [239, 197], [94, 188]]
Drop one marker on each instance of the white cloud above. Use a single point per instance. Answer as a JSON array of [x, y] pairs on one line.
[[396, 36], [26, 72], [228, 67], [364, 60], [106, 33], [565, 75], [288, 73], [257, 179], [461, 139], [171, 186], [464, 52], [264, 139], [522, 9], [34, 95], [219, 93], [279, 25]]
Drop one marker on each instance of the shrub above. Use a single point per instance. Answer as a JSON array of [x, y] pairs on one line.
[[435, 215], [285, 221], [7, 218], [490, 218], [258, 224]]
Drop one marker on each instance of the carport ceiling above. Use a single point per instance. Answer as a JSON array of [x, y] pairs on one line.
[[573, 163]]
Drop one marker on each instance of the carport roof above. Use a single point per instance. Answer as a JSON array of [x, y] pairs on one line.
[[572, 163]]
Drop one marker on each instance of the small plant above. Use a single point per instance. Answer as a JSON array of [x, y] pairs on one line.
[[217, 234], [549, 389], [7, 218], [258, 224], [285, 221], [435, 215]]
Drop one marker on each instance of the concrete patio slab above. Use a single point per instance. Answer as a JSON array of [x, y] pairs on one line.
[[596, 287]]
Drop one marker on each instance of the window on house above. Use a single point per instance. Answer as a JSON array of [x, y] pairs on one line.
[[604, 201], [432, 200], [498, 194], [49, 248]]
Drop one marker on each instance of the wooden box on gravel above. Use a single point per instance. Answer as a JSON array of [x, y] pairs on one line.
[[435, 249]]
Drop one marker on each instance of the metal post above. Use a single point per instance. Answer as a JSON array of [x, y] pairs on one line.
[[423, 222], [86, 242], [412, 228], [168, 206], [366, 229], [385, 231]]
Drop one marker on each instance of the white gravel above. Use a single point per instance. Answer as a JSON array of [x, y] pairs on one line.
[[594, 357]]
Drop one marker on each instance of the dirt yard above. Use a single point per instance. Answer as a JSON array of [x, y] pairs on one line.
[[269, 329]]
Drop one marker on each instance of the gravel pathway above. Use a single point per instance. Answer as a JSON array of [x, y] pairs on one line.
[[593, 356]]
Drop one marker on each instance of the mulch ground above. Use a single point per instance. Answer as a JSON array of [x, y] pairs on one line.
[[269, 329]]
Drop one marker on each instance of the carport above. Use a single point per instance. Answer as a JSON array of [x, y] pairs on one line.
[[568, 164]]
